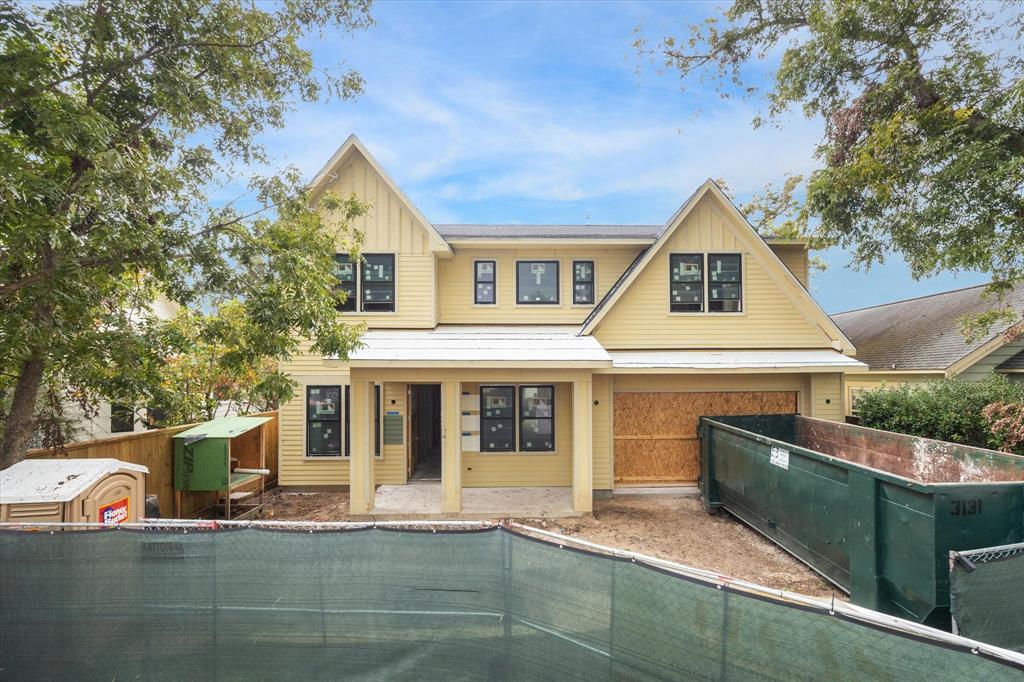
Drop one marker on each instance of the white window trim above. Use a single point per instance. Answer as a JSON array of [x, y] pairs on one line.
[[707, 283]]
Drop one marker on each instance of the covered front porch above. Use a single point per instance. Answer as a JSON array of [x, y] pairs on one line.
[[542, 385]]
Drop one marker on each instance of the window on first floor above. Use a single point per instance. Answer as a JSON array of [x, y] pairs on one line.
[[583, 282], [537, 282], [323, 421], [497, 418], [485, 283], [537, 418], [122, 419]]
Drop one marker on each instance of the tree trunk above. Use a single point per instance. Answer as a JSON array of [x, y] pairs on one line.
[[18, 427]]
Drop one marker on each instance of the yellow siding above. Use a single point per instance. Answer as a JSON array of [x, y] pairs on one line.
[[771, 317], [456, 286], [485, 470], [298, 470], [868, 381], [390, 227], [827, 396], [794, 257], [602, 432]]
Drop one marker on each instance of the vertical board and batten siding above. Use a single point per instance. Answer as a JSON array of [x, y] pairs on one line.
[[508, 469], [298, 470], [794, 257], [389, 227], [771, 317], [601, 441], [456, 286]]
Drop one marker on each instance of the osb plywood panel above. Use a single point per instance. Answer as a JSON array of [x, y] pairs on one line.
[[656, 433]]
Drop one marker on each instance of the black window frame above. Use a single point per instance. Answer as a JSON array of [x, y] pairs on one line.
[[738, 283], [675, 307], [477, 282], [378, 416], [351, 288], [523, 417], [338, 420], [384, 284], [122, 418], [558, 282], [592, 282], [511, 420]]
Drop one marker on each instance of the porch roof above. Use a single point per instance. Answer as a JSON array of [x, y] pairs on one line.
[[813, 360], [481, 346]]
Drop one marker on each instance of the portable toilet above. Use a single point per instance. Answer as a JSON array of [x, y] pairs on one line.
[[99, 490]]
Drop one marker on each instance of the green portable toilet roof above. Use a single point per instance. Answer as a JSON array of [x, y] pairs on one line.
[[223, 427]]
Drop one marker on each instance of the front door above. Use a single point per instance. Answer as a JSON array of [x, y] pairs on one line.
[[425, 432]]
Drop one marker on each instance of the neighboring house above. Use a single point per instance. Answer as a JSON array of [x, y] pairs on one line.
[[919, 339], [551, 355]]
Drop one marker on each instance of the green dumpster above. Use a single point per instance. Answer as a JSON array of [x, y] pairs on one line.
[[874, 512]]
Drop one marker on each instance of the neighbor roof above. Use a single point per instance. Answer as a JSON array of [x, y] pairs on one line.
[[646, 232], [920, 333], [56, 480], [1013, 362]]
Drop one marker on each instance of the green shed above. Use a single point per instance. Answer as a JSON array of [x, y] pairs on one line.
[[227, 454]]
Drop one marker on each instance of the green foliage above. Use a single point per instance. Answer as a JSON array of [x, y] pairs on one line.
[[949, 409], [923, 104], [115, 118]]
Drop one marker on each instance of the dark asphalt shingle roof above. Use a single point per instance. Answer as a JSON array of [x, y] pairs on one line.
[[919, 333], [549, 231]]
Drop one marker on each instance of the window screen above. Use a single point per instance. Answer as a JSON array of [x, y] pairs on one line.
[[378, 282], [583, 282], [485, 283], [686, 282], [724, 283], [345, 273], [323, 421], [537, 418], [497, 418], [122, 419], [537, 282]]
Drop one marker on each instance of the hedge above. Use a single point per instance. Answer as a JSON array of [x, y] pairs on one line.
[[943, 409]]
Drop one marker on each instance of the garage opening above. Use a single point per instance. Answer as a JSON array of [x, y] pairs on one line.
[[656, 433]]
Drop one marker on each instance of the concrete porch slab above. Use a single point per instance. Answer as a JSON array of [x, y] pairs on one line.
[[422, 502]]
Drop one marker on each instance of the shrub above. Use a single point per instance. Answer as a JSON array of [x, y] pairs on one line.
[[945, 409]]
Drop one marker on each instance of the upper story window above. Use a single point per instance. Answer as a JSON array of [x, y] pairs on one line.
[[378, 283], [369, 285], [583, 282], [122, 418], [686, 282], [724, 283], [485, 282], [537, 282]]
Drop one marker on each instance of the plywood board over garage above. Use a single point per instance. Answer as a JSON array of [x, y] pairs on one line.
[[656, 433]]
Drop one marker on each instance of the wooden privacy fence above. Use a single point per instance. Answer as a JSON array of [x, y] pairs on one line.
[[154, 449]]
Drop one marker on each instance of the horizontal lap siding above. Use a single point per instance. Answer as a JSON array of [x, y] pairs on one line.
[[525, 468], [794, 257], [602, 430], [771, 318], [874, 380], [456, 285], [827, 396]]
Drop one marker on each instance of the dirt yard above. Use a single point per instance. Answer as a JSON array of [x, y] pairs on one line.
[[667, 527]]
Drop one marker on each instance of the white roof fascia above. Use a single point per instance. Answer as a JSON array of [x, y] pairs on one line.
[[56, 480], [323, 177], [753, 361]]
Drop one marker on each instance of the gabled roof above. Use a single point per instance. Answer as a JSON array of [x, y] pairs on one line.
[[1012, 362], [804, 301], [923, 333], [354, 145]]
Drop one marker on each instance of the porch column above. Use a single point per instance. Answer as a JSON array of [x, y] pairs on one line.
[[451, 447], [361, 488], [582, 451]]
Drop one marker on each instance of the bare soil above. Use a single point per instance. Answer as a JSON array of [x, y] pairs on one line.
[[667, 527]]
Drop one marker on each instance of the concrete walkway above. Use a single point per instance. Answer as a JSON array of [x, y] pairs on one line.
[[422, 502]]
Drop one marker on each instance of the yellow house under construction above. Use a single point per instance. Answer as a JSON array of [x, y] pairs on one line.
[[575, 356]]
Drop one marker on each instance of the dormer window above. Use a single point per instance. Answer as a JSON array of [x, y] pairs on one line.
[[696, 278], [369, 285], [724, 283], [686, 282], [345, 273], [537, 282]]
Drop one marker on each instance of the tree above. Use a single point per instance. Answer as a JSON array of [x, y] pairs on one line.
[[923, 106], [114, 119]]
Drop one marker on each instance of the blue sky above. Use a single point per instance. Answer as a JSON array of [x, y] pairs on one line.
[[544, 113]]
